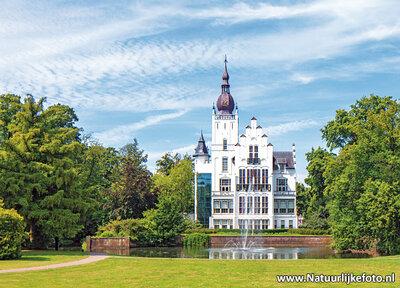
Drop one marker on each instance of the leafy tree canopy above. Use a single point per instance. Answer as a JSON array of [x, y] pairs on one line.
[[37, 167], [363, 180]]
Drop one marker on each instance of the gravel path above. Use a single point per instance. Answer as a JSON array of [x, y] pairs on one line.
[[94, 257]]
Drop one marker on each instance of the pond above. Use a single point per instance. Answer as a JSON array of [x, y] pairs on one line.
[[236, 253]]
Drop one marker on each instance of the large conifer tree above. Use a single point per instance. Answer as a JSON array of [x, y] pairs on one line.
[[38, 167]]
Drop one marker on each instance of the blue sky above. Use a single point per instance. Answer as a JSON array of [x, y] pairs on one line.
[[152, 70]]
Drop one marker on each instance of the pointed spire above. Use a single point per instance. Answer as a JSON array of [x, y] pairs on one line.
[[225, 75], [201, 149], [201, 135]]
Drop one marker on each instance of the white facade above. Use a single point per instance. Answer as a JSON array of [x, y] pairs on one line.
[[251, 185]]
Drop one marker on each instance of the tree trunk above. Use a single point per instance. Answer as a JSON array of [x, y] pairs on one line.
[[57, 243], [31, 232]]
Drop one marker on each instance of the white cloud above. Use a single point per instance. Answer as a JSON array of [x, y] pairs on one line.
[[302, 78], [80, 57], [288, 127], [123, 133]]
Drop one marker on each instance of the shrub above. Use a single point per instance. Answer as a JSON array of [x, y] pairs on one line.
[[306, 231], [109, 234], [12, 233], [196, 240], [84, 248]]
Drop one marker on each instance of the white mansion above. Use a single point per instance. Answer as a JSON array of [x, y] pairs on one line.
[[244, 182]]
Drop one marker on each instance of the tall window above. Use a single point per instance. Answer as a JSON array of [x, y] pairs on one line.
[[257, 205], [290, 207], [290, 223], [276, 207], [282, 223], [255, 151], [249, 205], [223, 206], [242, 224], [225, 185], [284, 206], [264, 176], [264, 208], [242, 207], [225, 164], [264, 224], [257, 224], [281, 184], [242, 175], [223, 223], [250, 151], [225, 145], [217, 206]]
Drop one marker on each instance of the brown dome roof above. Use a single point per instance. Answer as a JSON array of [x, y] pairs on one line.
[[225, 102]]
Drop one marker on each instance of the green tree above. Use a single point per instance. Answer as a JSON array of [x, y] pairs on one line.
[[302, 198], [316, 212], [166, 222], [363, 179], [178, 185], [37, 170], [10, 104], [131, 194], [169, 161], [97, 171]]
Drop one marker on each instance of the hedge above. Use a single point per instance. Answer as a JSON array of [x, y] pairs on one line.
[[196, 240], [307, 231], [12, 233]]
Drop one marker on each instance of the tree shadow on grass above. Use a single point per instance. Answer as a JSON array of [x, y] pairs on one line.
[[33, 258]]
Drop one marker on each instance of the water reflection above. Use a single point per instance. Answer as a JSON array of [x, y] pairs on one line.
[[234, 253]]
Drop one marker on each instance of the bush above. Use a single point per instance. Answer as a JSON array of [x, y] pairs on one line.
[[306, 231], [196, 240], [138, 231], [108, 234], [12, 233], [84, 248]]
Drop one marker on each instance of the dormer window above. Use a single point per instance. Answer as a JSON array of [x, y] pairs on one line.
[[281, 184]]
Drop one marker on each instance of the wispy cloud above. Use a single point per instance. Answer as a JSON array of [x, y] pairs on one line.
[[289, 127], [123, 133]]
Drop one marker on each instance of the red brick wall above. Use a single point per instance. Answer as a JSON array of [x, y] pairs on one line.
[[220, 241], [113, 245]]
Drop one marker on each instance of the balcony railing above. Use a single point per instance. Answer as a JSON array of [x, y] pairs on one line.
[[255, 161], [254, 187], [222, 193], [285, 193], [225, 117]]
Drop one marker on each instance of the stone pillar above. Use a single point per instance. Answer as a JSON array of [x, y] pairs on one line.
[[88, 244]]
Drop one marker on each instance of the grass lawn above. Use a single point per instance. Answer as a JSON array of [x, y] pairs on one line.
[[41, 258], [152, 272]]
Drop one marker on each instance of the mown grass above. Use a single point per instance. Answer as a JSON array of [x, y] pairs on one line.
[[40, 258], [152, 272]]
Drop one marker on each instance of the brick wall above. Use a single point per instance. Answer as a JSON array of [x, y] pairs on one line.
[[112, 245], [220, 241]]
